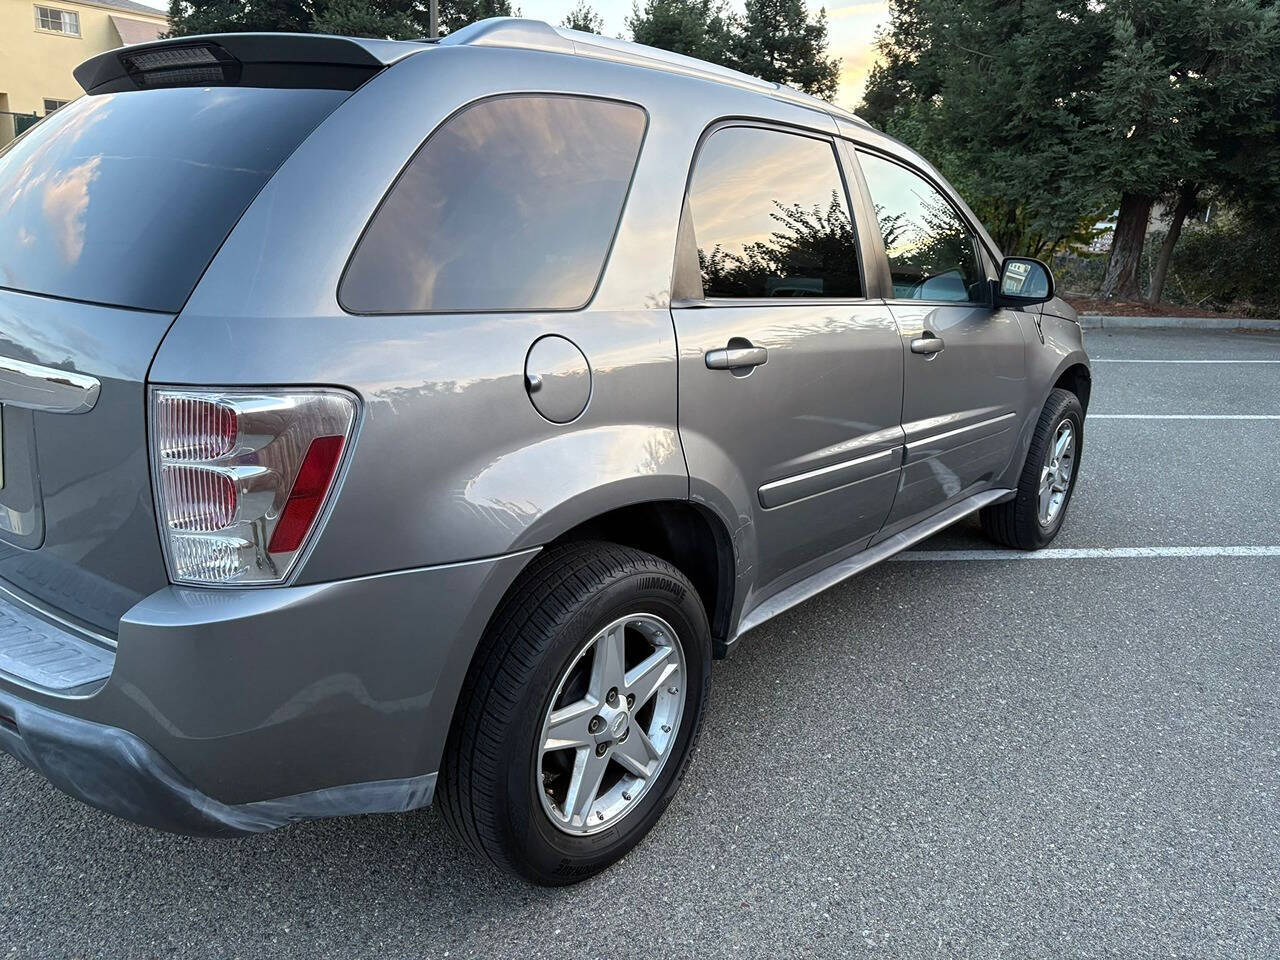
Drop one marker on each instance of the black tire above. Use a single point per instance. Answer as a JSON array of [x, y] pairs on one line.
[[490, 772], [1016, 523]]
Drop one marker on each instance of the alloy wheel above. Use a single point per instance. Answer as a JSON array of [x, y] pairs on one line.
[[1055, 474], [612, 724]]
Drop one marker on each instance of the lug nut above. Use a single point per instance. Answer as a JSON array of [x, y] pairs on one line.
[[600, 750], [596, 724], [631, 700], [625, 733], [612, 696]]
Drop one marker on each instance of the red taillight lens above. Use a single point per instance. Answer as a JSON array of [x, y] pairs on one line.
[[307, 495]]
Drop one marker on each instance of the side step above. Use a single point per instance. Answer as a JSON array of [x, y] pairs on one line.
[[814, 584]]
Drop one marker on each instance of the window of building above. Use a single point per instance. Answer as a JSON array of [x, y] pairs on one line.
[[932, 253], [511, 205], [770, 217], [58, 21], [52, 105]]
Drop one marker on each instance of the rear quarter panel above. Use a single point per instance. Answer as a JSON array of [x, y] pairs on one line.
[[452, 461]]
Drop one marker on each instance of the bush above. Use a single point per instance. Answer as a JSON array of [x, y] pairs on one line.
[[1229, 264]]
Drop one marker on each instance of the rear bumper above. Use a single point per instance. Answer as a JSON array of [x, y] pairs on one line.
[[115, 771], [230, 712]]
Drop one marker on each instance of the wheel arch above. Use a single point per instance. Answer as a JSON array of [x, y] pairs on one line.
[[690, 537], [1076, 378]]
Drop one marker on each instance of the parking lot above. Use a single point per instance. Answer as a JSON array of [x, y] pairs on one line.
[[974, 754]]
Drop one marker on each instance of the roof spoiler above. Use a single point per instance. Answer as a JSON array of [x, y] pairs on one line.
[[244, 59]]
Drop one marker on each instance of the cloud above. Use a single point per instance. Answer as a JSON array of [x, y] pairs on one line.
[[66, 198]]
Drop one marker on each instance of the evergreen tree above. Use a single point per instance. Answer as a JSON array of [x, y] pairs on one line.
[[456, 14], [1227, 65], [584, 17], [997, 96], [779, 42], [695, 28], [187, 17], [360, 18]]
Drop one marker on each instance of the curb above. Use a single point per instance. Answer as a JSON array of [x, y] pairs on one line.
[[1095, 322]]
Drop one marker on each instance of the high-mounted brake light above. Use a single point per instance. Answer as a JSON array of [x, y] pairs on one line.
[[242, 478]]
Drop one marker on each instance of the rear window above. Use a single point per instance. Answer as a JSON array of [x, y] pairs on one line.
[[511, 205], [123, 198]]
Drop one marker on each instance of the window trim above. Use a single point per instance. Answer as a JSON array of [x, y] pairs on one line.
[[681, 269], [979, 245], [79, 32], [395, 182]]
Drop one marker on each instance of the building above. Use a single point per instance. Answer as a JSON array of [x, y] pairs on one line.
[[41, 42]]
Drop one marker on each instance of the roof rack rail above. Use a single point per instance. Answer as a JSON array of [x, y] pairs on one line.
[[526, 34]]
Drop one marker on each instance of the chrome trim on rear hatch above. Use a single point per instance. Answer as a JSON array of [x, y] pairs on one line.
[[47, 389]]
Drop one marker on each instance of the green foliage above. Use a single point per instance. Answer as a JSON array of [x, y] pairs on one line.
[[583, 17], [810, 247], [1044, 113], [774, 39], [360, 18], [695, 28], [187, 17], [777, 41], [456, 14], [996, 95], [1229, 263], [395, 19]]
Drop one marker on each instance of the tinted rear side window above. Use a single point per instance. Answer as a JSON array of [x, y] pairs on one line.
[[511, 205], [771, 218], [124, 198]]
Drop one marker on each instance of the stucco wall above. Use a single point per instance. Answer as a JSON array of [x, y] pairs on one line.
[[35, 64]]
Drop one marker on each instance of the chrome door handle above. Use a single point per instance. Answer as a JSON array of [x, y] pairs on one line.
[[927, 344], [736, 358]]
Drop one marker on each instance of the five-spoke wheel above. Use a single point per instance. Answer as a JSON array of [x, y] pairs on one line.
[[611, 724]]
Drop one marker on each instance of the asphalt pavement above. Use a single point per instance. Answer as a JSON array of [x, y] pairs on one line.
[[978, 757]]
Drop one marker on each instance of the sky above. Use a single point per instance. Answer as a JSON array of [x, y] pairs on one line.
[[851, 24]]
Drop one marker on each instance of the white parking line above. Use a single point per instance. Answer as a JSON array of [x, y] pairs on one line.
[[1183, 416], [1086, 553], [1118, 360]]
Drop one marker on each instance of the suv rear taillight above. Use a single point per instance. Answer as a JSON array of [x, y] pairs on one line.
[[242, 477]]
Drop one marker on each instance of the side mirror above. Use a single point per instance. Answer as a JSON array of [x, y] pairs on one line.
[[1023, 282]]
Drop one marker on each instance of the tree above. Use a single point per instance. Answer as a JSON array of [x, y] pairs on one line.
[[583, 17], [456, 14], [997, 96], [695, 28], [393, 19], [187, 17], [360, 18], [1237, 139], [1184, 78], [779, 42]]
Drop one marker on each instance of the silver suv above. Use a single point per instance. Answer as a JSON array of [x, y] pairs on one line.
[[385, 421]]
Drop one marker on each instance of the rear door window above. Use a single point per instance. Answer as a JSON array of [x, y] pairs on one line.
[[770, 217], [511, 205], [124, 198]]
